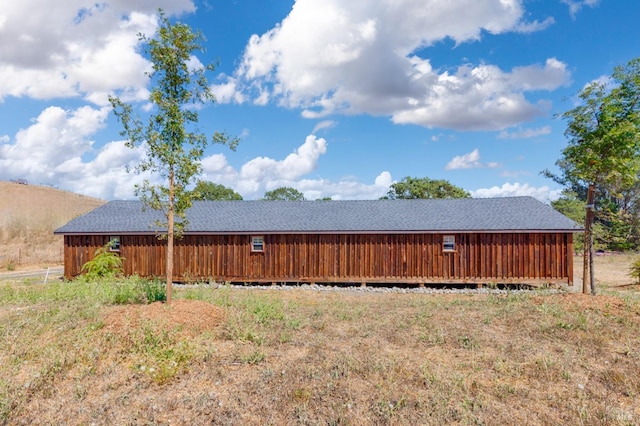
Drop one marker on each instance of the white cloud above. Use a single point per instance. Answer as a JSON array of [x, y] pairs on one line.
[[576, 5], [57, 149], [531, 27], [262, 174], [353, 59], [323, 125], [51, 151], [525, 133], [227, 91], [77, 48], [296, 164], [470, 160], [48, 141], [543, 193], [345, 189], [384, 180]]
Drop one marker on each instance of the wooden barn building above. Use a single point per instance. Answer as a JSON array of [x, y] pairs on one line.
[[483, 240]]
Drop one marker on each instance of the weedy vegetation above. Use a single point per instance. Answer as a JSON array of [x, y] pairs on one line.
[[105, 264]]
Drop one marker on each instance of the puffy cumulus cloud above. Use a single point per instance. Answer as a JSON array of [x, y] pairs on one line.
[[76, 47], [263, 174], [384, 180], [105, 176], [345, 189], [480, 98], [353, 59], [48, 142], [296, 164], [470, 160], [227, 91], [52, 148], [57, 149], [543, 193]]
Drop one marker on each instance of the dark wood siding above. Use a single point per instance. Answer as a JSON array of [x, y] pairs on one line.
[[357, 258]]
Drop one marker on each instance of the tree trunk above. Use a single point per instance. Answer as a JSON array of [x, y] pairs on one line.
[[170, 235], [588, 282], [591, 271]]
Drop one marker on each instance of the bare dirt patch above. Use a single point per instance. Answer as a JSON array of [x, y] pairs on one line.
[[191, 316]]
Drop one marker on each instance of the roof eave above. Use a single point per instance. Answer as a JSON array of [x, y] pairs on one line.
[[351, 231]]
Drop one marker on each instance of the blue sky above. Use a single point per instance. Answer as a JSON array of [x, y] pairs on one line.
[[336, 98]]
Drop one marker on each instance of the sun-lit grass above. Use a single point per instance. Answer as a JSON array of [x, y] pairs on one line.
[[304, 357], [101, 291]]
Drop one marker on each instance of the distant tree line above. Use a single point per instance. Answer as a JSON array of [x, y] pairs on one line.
[[407, 188]]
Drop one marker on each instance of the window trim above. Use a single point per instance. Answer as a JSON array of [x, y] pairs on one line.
[[257, 244], [448, 243], [114, 243]]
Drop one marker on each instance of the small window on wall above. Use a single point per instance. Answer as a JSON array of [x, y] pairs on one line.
[[114, 243], [449, 243], [257, 244]]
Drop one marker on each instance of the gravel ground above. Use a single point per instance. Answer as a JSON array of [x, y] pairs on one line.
[[386, 289]]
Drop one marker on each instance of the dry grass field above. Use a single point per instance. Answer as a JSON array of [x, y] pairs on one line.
[[28, 216], [85, 353], [73, 353]]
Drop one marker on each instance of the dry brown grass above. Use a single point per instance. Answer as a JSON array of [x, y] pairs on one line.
[[611, 271], [247, 356], [28, 216]]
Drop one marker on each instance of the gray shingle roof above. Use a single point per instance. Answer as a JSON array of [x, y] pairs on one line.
[[355, 216]]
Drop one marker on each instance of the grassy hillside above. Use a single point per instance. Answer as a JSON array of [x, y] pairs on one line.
[[28, 216]]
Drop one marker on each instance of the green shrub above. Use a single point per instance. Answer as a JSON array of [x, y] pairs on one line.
[[154, 290], [106, 290], [105, 263], [137, 290], [634, 270]]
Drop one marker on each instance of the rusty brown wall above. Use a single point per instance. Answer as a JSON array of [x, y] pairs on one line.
[[342, 258]]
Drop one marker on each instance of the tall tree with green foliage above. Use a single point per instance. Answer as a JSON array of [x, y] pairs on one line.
[[603, 152], [570, 205], [284, 193], [171, 140], [412, 188], [211, 191]]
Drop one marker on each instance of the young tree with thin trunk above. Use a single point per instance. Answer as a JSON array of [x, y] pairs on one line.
[[603, 153], [172, 143]]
